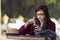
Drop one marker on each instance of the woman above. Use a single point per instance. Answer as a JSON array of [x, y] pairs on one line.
[[40, 24]]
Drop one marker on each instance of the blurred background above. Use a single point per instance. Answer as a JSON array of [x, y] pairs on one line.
[[14, 8], [18, 12]]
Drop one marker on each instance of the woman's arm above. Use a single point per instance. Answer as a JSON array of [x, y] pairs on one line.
[[24, 28], [52, 26]]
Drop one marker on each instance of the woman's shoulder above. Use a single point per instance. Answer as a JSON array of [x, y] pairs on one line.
[[51, 23], [52, 26]]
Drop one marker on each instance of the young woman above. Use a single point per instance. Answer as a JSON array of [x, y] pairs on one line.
[[40, 24]]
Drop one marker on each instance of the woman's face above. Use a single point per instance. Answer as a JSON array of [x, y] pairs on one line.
[[40, 15]]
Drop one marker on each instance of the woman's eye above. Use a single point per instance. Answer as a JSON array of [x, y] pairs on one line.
[[39, 14]]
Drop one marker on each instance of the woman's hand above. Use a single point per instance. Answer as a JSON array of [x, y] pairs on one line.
[[29, 22]]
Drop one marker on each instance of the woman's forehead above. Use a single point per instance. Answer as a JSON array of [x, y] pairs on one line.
[[40, 11]]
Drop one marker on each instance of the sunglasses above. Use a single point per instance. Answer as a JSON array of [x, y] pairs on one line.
[[40, 14]]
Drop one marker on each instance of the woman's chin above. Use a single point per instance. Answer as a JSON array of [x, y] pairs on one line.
[[40, 20]]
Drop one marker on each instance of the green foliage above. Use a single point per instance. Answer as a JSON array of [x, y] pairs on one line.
[[50, 1]]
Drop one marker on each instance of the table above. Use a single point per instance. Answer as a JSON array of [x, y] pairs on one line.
[[25, 38]]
